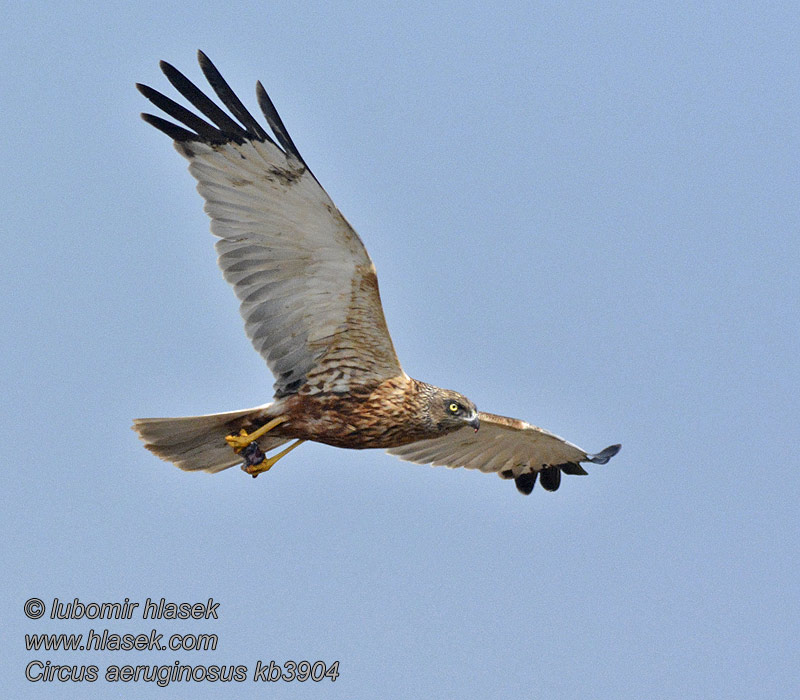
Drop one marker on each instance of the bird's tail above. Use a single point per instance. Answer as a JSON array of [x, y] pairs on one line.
[[197, 443]]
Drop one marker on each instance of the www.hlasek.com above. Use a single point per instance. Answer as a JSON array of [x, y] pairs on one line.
[[44, 670]]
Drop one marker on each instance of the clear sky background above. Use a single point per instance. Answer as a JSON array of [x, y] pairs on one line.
[[583, 215]]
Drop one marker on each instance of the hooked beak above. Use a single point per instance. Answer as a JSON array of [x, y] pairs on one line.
[[475, 422]]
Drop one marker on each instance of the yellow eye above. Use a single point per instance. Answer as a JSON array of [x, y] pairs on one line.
[[454, 407]]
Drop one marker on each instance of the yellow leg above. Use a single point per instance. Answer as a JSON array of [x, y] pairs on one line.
[[267, 464], [243, 439]]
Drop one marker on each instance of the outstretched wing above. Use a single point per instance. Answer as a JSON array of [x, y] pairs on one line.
[[513, 448], [308, 289]]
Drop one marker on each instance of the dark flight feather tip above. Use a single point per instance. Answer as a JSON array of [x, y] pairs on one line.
[[202, 102], [174, 131], [227, 129], [229, 99], [605, 455], [573, 468], [550, 478], [526, 482], [275, 122], [183, 115]]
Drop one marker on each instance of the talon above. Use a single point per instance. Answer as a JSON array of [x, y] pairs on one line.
[[243, 439], [239, 442], [252, 470], [256, 462]]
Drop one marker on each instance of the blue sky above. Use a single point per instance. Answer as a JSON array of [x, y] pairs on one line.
[[582, 215]]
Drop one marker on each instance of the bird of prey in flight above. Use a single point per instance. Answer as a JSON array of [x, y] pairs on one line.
[[310, 302]]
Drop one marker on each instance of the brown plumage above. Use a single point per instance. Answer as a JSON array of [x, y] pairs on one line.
[[396, 412], [309, 297]]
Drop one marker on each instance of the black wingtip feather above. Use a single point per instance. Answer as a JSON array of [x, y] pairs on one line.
[[603, 456], [275, 122], [550, 478], [229, 98], [183, 115], [526, 482], [203, 103], [174, 131], [225, 128], [573, 468]]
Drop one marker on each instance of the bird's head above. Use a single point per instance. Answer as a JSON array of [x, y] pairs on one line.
[[451, 411]]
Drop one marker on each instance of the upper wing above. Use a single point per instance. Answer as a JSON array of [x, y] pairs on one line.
[[308, 289], [509, 446]]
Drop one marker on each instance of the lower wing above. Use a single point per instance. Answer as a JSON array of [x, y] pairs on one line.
[[512, 448]]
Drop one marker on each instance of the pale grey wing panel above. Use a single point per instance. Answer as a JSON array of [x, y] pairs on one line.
[[308, 289], [499, 445], [306, 284], [508, 446]]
